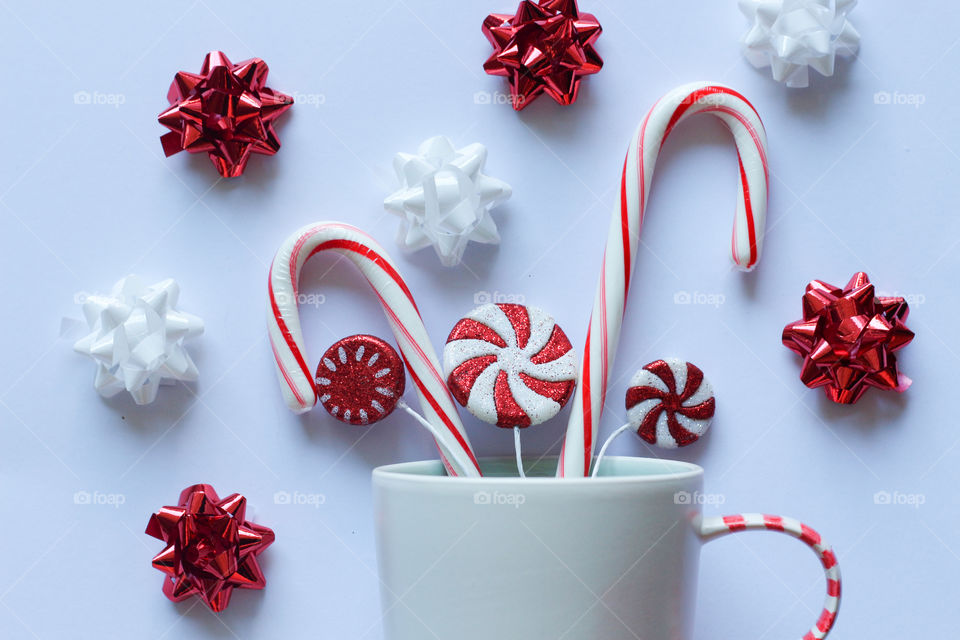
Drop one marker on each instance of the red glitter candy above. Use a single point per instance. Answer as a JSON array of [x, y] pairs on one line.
[[211, 547], [545, 47], [848, 337], [360, 379], [226, 111]]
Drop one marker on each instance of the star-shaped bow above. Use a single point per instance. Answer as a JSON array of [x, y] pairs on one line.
[[445, 199], [211, 547], [226, 110], [546, 46], [848, 337], [136, 338], [790, 36]]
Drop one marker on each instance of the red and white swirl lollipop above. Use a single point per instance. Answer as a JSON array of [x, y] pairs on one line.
[[510, 365], [669, 404]]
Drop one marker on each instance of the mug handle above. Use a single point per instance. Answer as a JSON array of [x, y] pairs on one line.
[[713, 527]]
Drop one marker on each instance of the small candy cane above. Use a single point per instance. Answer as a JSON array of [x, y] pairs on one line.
[[716, 526], [603, 333], [286, 336]]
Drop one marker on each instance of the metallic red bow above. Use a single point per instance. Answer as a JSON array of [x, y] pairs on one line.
[[546, 46], [848, 337], [211, 547], [227, 111]]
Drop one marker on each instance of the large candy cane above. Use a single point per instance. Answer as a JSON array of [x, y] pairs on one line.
[[603, 333], [286, 336]]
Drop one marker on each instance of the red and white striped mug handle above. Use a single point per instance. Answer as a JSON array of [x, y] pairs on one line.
[[712, 527]]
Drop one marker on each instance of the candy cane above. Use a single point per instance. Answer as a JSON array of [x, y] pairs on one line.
[[286, 336], [621, 250]]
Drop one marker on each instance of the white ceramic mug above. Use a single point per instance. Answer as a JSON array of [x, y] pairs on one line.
[[500, 558]]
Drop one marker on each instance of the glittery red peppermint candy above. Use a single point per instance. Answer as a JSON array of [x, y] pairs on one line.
[[670, 403], [510, 365], [360, 379]]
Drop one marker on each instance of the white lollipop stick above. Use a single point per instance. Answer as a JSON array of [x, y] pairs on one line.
[[516, 447], [419, 418], [624, 234], [607, 443], [286, 336]]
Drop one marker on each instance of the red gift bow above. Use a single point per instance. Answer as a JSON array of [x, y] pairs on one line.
[[211, 547], [848, 337], [226, 111]]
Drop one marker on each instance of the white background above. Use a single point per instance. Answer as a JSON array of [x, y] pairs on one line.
[[87, 197]]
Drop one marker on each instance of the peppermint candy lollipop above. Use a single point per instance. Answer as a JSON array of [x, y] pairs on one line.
[[669, 404], [360, 379], [510, 365]]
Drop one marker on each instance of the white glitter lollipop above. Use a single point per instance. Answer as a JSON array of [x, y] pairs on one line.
[[510, 365]]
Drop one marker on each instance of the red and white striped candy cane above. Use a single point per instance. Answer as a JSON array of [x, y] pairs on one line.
[[286, 336], [716, 526], [624, 234]]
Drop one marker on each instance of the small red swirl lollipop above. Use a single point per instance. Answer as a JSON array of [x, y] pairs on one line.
[[669, 403], [360, 379]]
